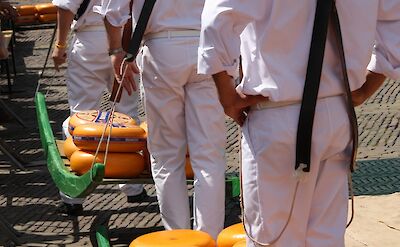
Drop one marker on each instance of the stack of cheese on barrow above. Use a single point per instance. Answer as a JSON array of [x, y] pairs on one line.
[[39, 13], [126, 147]]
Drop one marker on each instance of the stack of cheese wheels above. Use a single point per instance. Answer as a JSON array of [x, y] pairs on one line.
[[176, 238], [26, 15], [241, 243], [231, 235], [188, 167], [126, 141], [47, 12]]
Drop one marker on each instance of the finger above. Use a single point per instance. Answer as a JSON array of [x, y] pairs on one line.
[[127, 86], [135, 68], [241, 118], [252, 100]]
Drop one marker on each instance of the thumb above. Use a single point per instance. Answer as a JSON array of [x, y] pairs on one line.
[[250, 100]]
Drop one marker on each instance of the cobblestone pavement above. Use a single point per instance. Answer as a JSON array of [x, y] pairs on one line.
[[29, 199]]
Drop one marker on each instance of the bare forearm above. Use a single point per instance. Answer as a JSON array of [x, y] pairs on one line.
[[226, 89], [113, 34], [64, 21], [372, 83]]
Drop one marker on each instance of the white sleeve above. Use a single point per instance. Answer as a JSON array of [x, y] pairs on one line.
[[72, 6], [117, 12], [222, 22], [386, 54]]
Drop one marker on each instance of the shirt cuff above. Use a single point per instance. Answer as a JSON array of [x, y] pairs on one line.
[[115, 16], [209, 64], [72, 6], [379, 64]]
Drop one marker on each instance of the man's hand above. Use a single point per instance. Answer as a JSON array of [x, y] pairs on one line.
[[126, 75], [235, 106], [371, 85], [59, 57], [241, 105]]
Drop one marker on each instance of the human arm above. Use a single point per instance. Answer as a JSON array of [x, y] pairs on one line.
[[64, 21], [385, 60], [219, 51], [117, 56], [116, 13], [235, 105], [371, 85]]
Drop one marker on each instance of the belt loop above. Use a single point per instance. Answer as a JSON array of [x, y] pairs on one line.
[[169, 34]]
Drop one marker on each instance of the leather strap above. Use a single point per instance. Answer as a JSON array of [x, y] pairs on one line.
[[311, 85], [132, 48], [139, 30], [82, 9], [349, 102]]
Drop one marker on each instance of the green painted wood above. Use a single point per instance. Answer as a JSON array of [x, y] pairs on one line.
[[102, 237], [66, 182], [81, 186]]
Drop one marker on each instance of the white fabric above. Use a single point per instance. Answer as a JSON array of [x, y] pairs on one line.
[[182, 110], [268, 158], [275, 37], [89, 73], [89, 18], [166, 14]]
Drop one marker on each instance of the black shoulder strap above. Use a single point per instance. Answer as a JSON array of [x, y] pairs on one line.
[[350, 108], [140, 28], [82, 8], [311, 86]]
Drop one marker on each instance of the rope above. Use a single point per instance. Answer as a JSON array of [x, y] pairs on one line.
[[242, 203], [122, 72], [291, 206]]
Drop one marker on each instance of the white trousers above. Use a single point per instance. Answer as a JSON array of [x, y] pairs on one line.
[[183, 111], [268, 159], [89, 74]]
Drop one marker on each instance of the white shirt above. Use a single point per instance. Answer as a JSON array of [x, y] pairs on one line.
[[89, 18], [274, 36], [166, 14]]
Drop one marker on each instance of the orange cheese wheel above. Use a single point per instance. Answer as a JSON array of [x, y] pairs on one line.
[[26, 10], [26, 19], [94, 116], [176, 238], [241, 243], [231, 235], [46, 8], [123, 139], [143, 125], [47, 18], [119, 165], [69, 147]]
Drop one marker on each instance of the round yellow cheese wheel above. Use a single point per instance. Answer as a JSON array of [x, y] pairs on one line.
[[46, 8], [47, 18], [231, 235], [119, 165], [123, 139], [69, 147], [174, 238], [101, 117], [23, 10], [241, 243], [143, 125], [26, 19]]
